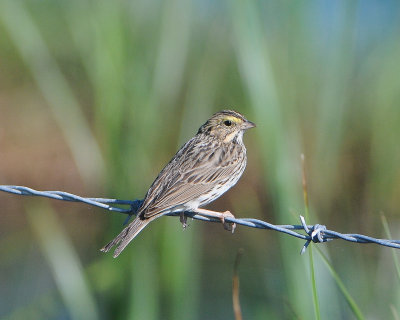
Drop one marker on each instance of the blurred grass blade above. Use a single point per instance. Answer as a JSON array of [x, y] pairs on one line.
[[335, 81], [63, 261], [144, 302], [107, 63], [259, 80], [235, 287], [310, 251], [177, 264], [172, 51], [349, 299], [394, 251], [394, 312], [27, 38]]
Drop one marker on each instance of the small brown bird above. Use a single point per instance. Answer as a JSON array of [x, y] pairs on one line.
[[204, 168]]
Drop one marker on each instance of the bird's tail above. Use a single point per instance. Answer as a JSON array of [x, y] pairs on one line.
[[126, 236]]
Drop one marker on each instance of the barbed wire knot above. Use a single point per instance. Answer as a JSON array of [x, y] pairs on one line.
[[315, 234]]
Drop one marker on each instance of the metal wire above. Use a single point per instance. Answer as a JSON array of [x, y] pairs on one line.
[[312, 233]]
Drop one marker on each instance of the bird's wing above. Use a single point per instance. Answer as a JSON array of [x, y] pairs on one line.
[[193, 172]]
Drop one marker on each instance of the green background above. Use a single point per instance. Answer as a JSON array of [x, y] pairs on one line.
[[96, 96]]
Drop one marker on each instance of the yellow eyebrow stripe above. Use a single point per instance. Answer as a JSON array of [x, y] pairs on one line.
[[233, 119]]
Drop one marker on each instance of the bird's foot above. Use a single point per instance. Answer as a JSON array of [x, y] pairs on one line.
[[183, 220], [230, 226]]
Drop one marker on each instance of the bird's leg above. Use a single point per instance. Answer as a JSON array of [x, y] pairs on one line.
[[230, 226], [183, 220]]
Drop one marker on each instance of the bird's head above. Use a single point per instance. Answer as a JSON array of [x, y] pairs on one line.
[[226, 125]]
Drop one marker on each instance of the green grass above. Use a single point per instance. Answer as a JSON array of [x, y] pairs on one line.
[[317, 312], [343, 290]]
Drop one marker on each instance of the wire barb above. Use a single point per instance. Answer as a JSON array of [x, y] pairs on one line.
[[313, 233]]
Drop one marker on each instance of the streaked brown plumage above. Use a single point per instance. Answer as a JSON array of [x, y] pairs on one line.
[[204, 168]]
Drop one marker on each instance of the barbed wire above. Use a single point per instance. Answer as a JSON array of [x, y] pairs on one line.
[[312, 233]]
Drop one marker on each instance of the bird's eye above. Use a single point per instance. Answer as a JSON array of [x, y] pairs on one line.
[[228, 123]]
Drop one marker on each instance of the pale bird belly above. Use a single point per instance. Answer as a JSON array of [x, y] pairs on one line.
[[204, 199], [212, 195], [215, 193]]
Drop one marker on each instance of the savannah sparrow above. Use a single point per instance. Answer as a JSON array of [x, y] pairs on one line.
[[205, 167]]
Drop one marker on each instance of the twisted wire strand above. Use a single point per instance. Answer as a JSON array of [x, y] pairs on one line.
[[313, 233]]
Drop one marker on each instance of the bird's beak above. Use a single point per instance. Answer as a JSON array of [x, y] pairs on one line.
[[248, 125]]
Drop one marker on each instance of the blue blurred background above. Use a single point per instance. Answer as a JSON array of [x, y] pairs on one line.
[[96, 96]]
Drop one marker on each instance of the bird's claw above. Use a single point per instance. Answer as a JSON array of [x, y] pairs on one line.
[[183, 220], [230, 226]]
